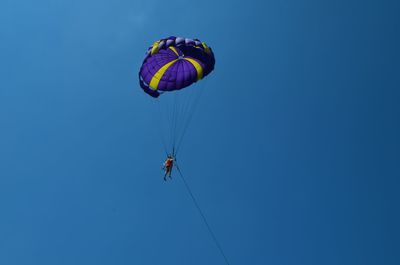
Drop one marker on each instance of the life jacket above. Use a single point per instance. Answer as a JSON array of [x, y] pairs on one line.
[[168, 162]]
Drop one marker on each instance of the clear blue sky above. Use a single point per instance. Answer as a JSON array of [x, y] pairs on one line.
[[298, 131]]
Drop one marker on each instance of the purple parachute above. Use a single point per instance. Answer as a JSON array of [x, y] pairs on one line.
[[174, 63]]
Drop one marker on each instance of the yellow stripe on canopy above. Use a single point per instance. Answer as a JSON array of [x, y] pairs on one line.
[[196, 65], [206, 48], [154, 49], [174, 50], [158, 75]]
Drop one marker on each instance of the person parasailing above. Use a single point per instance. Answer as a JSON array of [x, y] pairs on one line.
[[167, 166], [170, 66]]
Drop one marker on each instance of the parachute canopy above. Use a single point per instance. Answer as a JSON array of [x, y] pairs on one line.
[[175, 63]]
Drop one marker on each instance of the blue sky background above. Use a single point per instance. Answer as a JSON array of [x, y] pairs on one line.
[[298, 131]]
